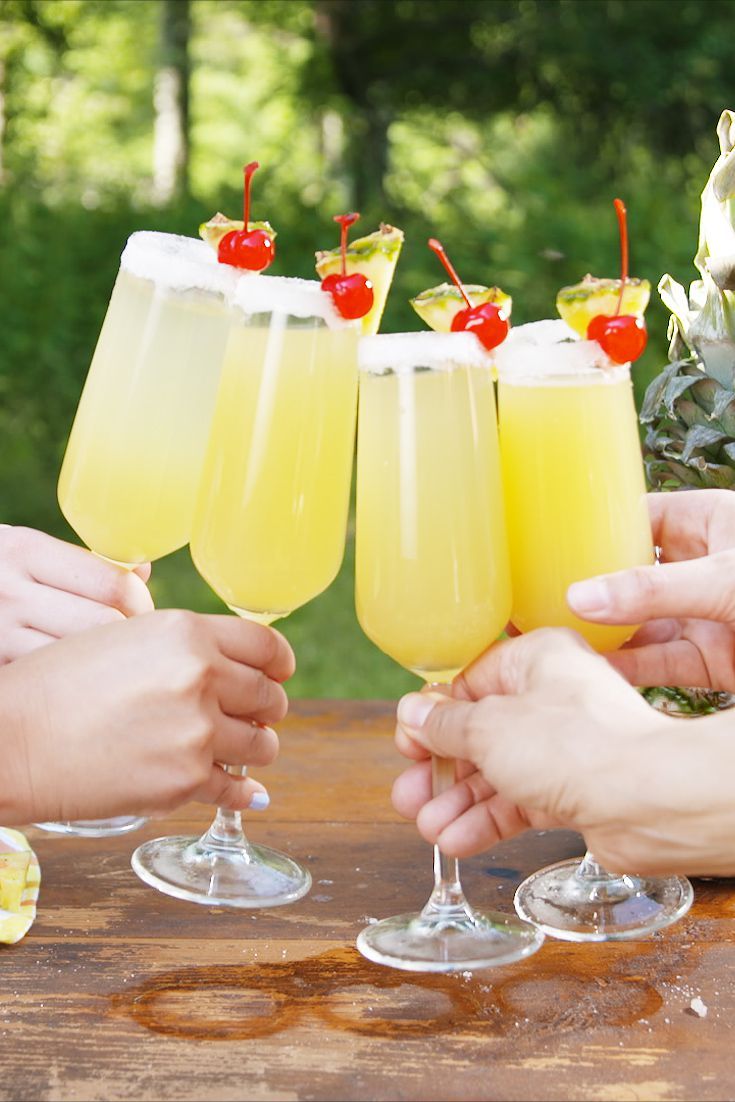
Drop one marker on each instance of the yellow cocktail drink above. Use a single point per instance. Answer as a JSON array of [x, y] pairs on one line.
[[432, 577], [132, 465], [573, 478], [576, 502], [271, 518], [433, 584], [269, 531]]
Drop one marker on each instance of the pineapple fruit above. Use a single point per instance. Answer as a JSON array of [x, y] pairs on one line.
[[438, 306], [579, 304], [689, 409], [20, 877], [13, 875], [375, 256], [215, 229]]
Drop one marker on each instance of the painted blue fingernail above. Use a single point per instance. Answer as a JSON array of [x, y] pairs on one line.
[[259, 801]]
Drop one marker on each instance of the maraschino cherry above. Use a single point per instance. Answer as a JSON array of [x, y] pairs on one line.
[[246, 248], [352, 294], [622, 336], [485, 321]]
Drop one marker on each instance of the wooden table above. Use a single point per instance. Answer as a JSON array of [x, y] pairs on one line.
[[118, 992]]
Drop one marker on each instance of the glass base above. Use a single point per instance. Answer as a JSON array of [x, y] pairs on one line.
[[464, 940], [220, 876], [96, 828], [611, 908]]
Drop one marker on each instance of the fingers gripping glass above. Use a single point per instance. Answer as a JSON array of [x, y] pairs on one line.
[[128, 481], [576, 505], [433, 586], [269, 532]]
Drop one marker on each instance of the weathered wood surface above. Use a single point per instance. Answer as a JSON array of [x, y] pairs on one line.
[[120, 993]]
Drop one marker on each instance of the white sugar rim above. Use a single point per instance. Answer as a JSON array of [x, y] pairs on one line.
[[549, 353], [300, 298], [177, 263], [401, 352]]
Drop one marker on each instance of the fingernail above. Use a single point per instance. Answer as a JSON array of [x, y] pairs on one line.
[[259, 801], [414, 709], [588, 598]]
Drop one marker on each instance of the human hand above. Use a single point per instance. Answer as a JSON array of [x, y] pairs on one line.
[[686, 604], [133, 718], [546, 734], [49, 589]]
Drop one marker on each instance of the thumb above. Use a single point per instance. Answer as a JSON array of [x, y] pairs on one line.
[[437, 722], [486, 733], [691, 589]]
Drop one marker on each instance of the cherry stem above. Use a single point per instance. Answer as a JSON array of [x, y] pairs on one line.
[[438, 248], [623, 227], [345, 221], [248, 172]]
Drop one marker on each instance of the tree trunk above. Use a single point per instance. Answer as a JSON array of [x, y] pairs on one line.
[[366, 127], [171, 103]]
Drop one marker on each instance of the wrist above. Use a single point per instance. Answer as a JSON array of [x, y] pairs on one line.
[[680, 814]]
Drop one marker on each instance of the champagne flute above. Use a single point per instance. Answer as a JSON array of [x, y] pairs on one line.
[[576, 506], [269, 531], [132, 464], [433, 585]]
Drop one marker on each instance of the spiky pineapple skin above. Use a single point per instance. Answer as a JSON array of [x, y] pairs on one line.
[[689, 408], [690, 428], [689, 444], [687, 703]]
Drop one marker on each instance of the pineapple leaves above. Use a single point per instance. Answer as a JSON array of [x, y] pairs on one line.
[[690, 440], [701, 436], [704, 320], [666, 388]]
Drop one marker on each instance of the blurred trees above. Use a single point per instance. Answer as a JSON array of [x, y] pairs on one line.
[[171, 103], [505, 127], [614, 74]]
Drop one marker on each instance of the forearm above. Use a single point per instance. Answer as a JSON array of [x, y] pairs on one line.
[[22, 741], [680, 815]]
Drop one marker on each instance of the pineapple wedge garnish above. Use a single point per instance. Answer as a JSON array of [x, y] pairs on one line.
[[13, 874], [215, 229], [375, 256], [580, 303], [438, 306]]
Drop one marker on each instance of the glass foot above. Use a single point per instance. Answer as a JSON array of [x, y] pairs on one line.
[[566, 904], [463, 940], [226, 876], [96, 828]]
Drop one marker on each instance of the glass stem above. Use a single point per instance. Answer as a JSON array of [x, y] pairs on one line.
[[601, 886], [447, 897], [591, 869], [226, 830]]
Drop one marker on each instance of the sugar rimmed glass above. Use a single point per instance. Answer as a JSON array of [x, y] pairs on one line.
[[269, 532], [433, 585], [576, 507], [131, 469]]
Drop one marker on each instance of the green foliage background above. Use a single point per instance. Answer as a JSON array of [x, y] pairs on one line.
[[504, 128]]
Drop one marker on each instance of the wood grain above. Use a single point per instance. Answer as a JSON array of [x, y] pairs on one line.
[[120, 993]]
